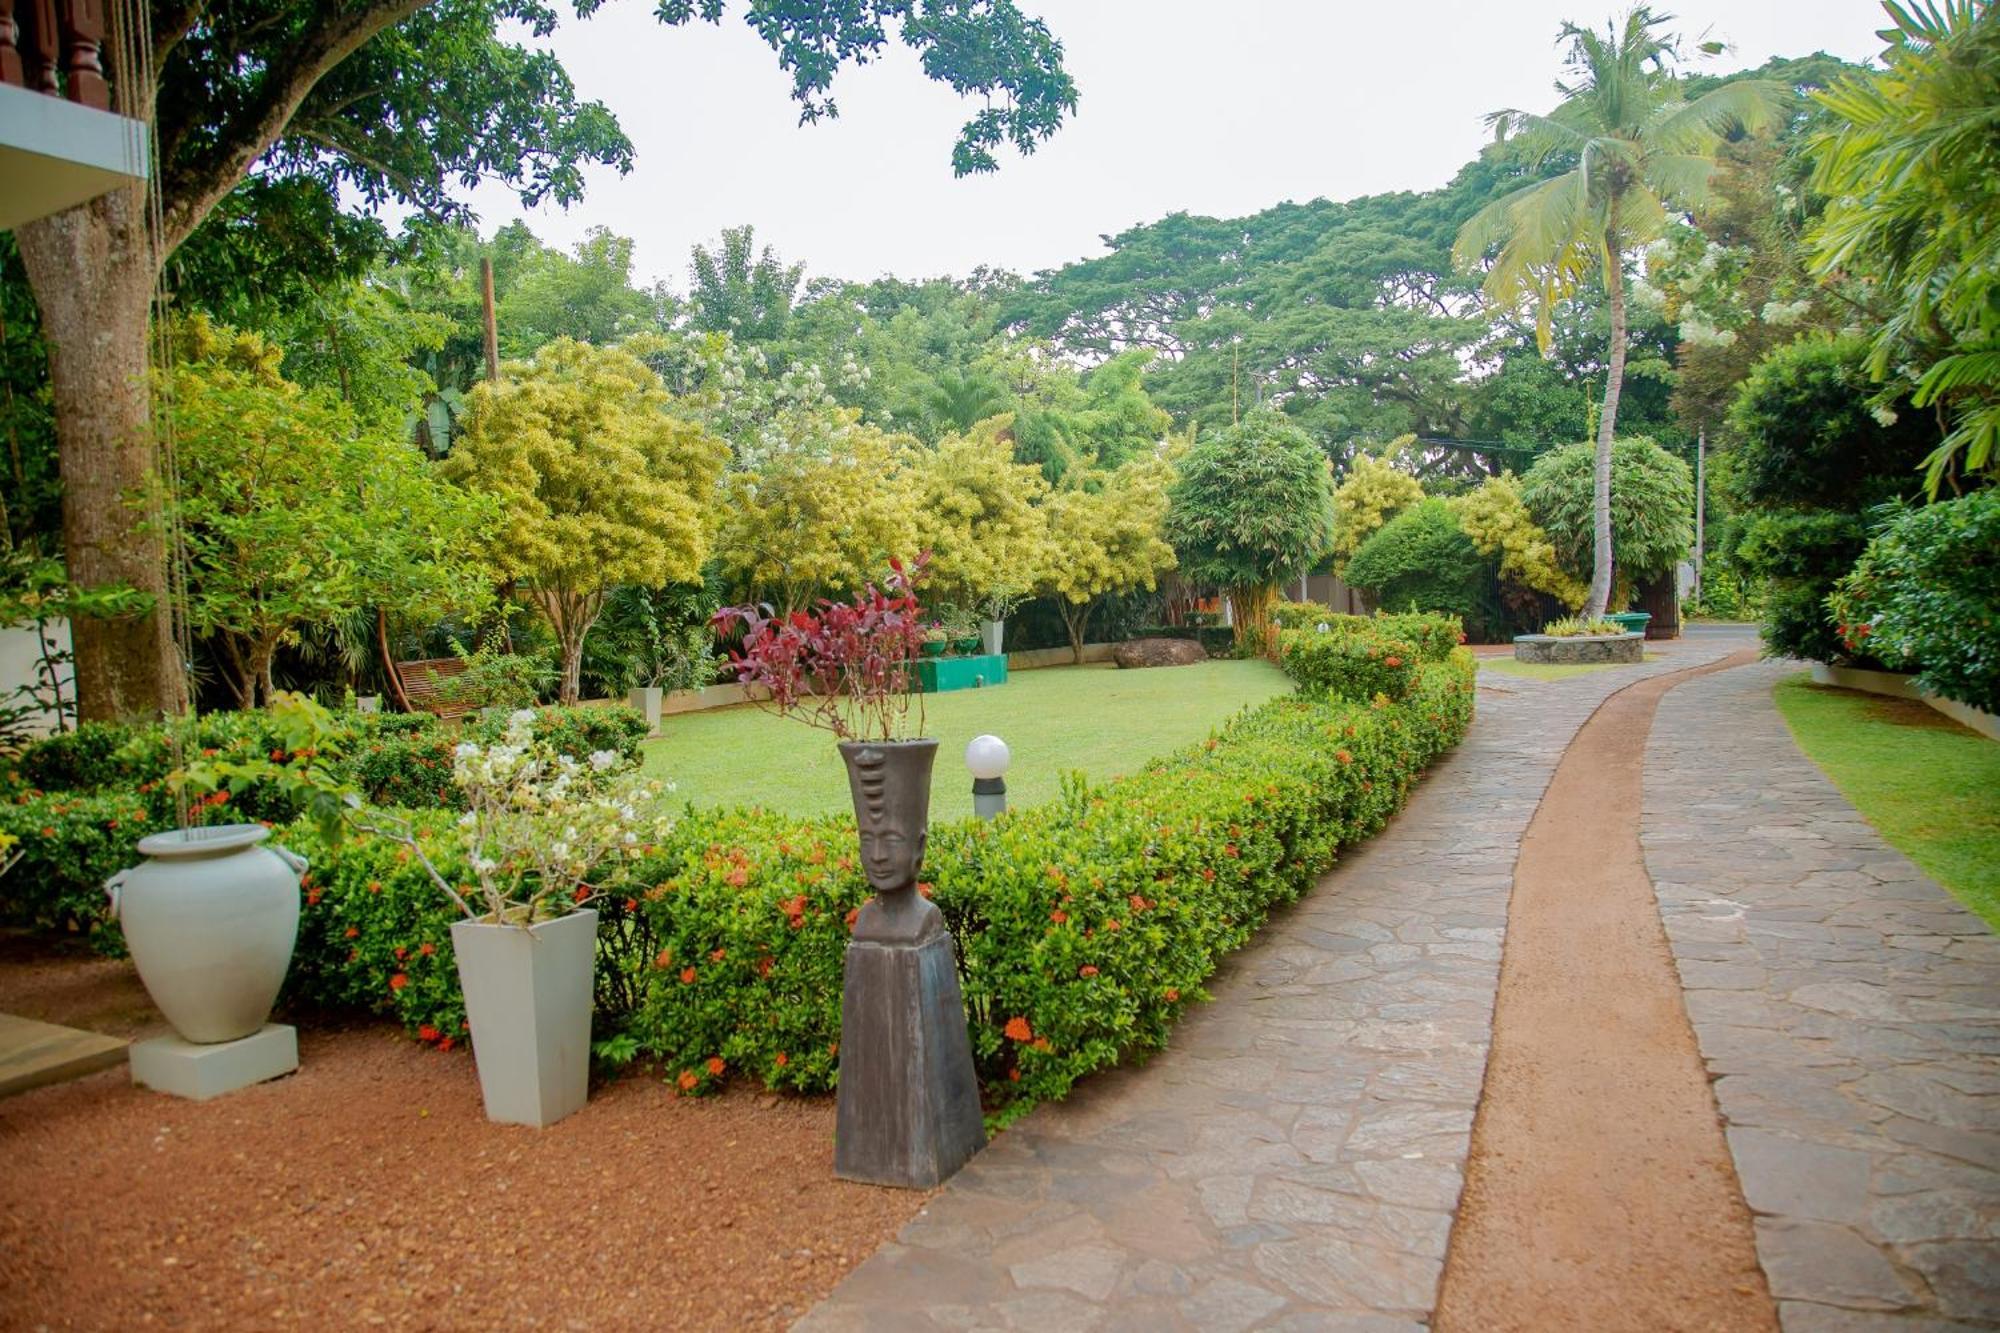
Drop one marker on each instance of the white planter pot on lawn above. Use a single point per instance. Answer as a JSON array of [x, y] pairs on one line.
[[528, 999], [993, 636], [647, 699], [211, 918]]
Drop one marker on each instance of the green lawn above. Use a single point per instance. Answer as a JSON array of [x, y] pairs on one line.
[[1507, 666], [1928, 785], [1057, 720]]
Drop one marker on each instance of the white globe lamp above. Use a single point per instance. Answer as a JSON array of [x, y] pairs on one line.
[[987, 757]]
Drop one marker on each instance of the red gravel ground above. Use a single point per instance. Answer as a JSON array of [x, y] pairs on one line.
[[369, 1190]]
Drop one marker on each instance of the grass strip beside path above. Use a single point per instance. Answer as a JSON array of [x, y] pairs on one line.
[[1930, 786]]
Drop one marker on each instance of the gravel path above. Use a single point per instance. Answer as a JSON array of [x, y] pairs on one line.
[[1293, 1159], [369, 1190], [1600, 1193], [1849, 1012]]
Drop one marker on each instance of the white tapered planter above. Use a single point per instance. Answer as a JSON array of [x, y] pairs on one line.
[[647, 699], [211, 918], [993, 636], [528, 999]]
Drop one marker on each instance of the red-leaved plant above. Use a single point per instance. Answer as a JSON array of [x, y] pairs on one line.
[[845, 667]]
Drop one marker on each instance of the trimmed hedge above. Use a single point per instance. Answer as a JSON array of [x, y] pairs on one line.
[[80, 801], [1084, 926], [1352, 665]]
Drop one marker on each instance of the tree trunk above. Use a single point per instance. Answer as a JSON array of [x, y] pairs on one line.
[[91, 271], [571, 614], [1250, 611], [390, 677], [1076, 619], [1607, 425]]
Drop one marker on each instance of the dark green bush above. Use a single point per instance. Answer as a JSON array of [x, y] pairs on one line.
[[70, 844], [1652, 509], [76, 760], [1808, 458], [1925, 597], [1421, 560]]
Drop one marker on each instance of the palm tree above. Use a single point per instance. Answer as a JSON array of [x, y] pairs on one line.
[[1640, 152], [959, 400]]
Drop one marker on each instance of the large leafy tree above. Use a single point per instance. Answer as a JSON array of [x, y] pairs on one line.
[[1637, 150], [598, 482], [267, 115], [1106, 535], [1252, 507], [298, 515], [979, 514], [1911, 166], [817, 514]]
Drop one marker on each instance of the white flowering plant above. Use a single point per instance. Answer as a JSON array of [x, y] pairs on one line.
[[543, 832]]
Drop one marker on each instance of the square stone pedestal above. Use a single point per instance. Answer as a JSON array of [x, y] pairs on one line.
[[198, 1072]]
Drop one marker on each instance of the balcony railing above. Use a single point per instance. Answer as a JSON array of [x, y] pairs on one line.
[[52, 46]]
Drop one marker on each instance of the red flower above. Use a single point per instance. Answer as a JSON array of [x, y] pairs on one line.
[[687, 1080], [1392, 661], [353, 932], [1013, 1076], [631, 904], [1087, 970], [1112, 924], [687, 976], [398, 981], [1138, 904], [715, 1065], [783, 1059], [1042, 1044], [374, 886], [446, 1043], [1229, 849], [427, 948], [1343, 756], [717, 956], [737, 878], [1059, 916], [853, 915], [428, 1033], [1172, 995], [1017, 1028], [665, 959], [312, 897], [401, 953], [763, 967]]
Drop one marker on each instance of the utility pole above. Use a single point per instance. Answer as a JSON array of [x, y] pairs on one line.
[[1700, 503], [492, 327]]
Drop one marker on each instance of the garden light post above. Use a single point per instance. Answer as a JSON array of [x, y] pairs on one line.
[[987, 757]]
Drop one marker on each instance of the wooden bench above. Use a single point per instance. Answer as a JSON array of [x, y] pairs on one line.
[[422, 682]]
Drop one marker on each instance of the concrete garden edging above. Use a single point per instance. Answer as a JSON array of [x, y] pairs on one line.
[[1897, 685], [1580, 649]]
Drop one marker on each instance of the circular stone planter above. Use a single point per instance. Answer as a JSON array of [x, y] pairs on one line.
[[1581, 649]]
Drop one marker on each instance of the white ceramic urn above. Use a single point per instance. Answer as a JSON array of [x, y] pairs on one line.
[[211, 918]]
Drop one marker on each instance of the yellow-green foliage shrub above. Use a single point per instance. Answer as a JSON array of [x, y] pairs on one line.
[[1372, 493], [1498, 522]]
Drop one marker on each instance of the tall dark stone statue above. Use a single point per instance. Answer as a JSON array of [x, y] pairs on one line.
[[909, 1100]]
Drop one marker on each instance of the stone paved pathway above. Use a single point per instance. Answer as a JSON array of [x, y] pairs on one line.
[[1849, 1011], [1293, 1159]]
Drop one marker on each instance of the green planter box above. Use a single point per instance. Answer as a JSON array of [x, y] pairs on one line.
[[1633, 622], [935, 675]]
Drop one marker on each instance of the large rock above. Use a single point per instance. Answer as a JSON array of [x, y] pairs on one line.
[[1158, 652]]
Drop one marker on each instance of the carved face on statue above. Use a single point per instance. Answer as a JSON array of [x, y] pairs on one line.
[[893, 825]]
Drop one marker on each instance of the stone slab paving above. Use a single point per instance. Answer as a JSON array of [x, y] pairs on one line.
[[1294, 1158], [1849, 1012]]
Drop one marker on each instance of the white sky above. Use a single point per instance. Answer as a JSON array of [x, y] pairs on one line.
[[1219, 107]]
